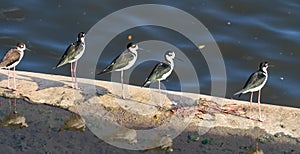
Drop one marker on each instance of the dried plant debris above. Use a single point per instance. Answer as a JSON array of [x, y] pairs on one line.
[[208, 107]]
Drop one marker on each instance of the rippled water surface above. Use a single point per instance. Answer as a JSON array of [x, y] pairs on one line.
[[247, 32]]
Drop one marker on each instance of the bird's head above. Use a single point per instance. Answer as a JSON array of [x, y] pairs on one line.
[[170, 55], [21, 46], [81, 36], [264, 66], [132, 46]]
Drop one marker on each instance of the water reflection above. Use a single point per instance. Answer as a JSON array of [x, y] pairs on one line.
[[73, 123], [13, 119]]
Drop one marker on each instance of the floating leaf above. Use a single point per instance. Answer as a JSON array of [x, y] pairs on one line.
[[129, 37], [193, 138], [201, 46]]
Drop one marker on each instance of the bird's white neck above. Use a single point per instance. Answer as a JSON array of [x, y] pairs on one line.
[[170, 60], [81, 39], [21, 49], [264, 69], [134, 51]]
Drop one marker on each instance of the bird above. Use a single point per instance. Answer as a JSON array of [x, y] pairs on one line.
[[123, 62], [72, 55], [256, 82], [10, 60], [161, 71]]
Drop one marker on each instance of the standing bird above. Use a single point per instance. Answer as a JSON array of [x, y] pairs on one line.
[[255, 82], [11, 59], [162, 70], [123, 62], [71, 55]]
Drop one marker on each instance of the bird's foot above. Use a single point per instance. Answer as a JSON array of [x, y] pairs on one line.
[[123, 96], [75, 87], [250, 117], [162, 107], [261, 120], [11, 88]]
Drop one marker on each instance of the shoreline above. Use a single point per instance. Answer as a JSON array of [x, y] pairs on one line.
[[41, 88]]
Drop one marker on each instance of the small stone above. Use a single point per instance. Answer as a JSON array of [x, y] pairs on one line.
[[206, 141], [201, 46]]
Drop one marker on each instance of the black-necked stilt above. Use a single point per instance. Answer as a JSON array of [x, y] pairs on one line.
[[123, 62], [71, 55], [255, 82], [11, 59], [162, 70]]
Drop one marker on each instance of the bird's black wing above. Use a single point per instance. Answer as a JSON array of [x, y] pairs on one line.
[[159, 70], [256, 79], [119, 62], [70, 54], [10, 57]]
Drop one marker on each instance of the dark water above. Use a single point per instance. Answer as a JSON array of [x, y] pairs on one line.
[[247, 32]]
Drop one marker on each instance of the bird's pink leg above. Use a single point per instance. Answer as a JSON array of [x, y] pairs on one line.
[[8, 77], [75, 77], [159, 94], [259, 110], [14, 76], [72, 75], [251, 96], [122, 82]]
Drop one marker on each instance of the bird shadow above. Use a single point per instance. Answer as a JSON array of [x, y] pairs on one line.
[[3, 77], [181, 100], [178, 99], [43, 83], [46, 83]]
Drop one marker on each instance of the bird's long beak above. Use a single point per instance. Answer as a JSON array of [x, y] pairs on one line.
[[28, 49], [143, 50], [178, 59], [271, 65]]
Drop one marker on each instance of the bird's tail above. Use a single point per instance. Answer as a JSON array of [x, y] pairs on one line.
[[2, 65], [104, 71], [147, 83], [239, 93]]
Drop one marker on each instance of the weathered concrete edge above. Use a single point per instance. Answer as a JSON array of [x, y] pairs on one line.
[[30, 85]]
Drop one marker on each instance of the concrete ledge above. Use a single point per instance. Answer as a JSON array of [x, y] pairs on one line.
[[140, 105]]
